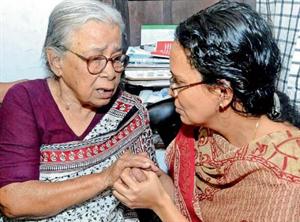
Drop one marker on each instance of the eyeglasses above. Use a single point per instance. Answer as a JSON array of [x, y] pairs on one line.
[[176, 89], [96, 64]]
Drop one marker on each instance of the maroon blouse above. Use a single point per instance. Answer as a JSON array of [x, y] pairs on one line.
[[29, 117]]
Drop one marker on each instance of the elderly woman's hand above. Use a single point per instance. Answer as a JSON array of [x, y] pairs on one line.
[[129, 160], [138, 173]]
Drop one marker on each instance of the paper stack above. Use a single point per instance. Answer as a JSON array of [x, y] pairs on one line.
[[149, 65]]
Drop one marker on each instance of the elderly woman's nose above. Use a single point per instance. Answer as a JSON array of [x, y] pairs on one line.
[[109, 71], [171, 93]]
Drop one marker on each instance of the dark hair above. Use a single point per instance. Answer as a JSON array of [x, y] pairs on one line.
[[230, 41]]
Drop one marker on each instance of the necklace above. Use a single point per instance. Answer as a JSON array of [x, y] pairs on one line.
[[256, 127]]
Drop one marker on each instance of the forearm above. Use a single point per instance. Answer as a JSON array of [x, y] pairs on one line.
[[167, 211], [168, 184], [37, 199]]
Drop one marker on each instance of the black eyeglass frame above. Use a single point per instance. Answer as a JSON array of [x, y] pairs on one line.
[[180, 88], [92, 58]]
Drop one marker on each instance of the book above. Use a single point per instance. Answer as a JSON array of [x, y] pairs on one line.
[[148, 65], [147, 74], [139, 57], [162, 49], [152, 33], [149, 83]]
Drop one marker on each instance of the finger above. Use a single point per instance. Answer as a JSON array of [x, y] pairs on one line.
[[131, 161], [154, 168], [144, 154], [144, 158], [121, 187], [132, 175], [126, 153], [159, 172], [138, 161], [127, 179], [150, 174], [121, 183], [138, 174], [118, 181], [121, 198]]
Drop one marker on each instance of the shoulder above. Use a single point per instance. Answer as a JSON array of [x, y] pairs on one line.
[[280, 140], [280, 152], [24, 96], [29, 87]]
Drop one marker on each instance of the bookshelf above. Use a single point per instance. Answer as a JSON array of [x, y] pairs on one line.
[[138, 12]]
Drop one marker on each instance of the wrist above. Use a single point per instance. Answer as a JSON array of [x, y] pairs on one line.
[[167, 211], [162, 204], [107, 178]]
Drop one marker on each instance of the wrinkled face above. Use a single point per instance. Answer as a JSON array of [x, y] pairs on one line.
[[197, 105], [92, 39]]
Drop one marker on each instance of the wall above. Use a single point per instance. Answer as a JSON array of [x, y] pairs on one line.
[[23, 25]]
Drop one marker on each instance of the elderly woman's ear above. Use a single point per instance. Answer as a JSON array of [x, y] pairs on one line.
[[55, 61]]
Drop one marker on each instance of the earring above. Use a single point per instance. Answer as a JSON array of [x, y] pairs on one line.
[[221, 107]]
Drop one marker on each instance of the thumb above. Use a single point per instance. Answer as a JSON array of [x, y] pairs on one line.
[[127, 153], [150, 174], [144, 154]]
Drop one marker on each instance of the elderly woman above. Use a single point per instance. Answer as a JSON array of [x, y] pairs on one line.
[[237, 158], [63, 139]]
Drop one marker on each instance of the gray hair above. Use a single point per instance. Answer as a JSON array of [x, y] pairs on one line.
[[71, 14]]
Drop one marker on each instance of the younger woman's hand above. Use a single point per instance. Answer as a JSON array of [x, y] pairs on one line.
[[145, 194]]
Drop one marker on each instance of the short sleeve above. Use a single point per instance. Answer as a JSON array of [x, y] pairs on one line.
[[19, 138]]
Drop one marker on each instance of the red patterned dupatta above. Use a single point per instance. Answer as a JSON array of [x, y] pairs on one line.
[[182, 170], [217, 181]]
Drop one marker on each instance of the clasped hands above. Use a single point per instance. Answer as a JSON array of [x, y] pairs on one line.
[[135, 181]]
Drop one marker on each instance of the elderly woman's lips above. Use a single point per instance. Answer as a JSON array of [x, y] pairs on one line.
[[177, 110], [105, 94]]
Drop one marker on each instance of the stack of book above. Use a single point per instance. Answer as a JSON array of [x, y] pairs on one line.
[[149, 65]]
